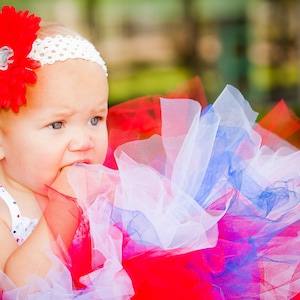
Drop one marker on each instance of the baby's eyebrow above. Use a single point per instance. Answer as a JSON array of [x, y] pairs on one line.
[[61, 113], [50, 114], [102, 108]]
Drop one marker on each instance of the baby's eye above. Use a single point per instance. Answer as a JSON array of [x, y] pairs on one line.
[[56, 125], [95, 120]]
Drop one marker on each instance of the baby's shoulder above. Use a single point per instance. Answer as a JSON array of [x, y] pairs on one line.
[[5, 213]]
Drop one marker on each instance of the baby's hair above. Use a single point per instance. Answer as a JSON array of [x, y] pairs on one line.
[[52, 29]]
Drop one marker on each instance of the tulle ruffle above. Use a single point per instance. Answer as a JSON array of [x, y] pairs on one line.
[[206, 209]]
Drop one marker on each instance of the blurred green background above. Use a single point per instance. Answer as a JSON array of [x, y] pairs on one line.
[[151, 46]]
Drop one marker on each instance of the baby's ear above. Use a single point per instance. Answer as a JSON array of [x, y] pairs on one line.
[[2, 155]]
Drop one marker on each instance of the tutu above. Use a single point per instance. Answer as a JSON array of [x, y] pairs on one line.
[[197, 202]]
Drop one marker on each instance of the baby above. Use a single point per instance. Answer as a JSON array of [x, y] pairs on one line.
[[62, 121]]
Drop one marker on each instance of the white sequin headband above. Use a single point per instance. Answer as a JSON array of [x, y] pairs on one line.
[[60, 48]]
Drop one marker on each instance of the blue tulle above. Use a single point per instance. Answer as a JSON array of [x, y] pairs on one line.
[[203, 210]]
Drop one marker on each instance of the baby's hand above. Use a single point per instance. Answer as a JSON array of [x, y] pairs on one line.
[[62, 185], [62, 214]]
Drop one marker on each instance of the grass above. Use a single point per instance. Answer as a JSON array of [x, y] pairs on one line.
[[145, 81]]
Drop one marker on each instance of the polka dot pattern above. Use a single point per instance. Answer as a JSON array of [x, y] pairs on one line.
[[21, 227]]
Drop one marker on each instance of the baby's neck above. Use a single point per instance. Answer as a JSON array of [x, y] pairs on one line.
[[30, 204]]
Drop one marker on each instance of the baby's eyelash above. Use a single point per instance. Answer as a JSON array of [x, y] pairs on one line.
[[95, 120], [56, 125]]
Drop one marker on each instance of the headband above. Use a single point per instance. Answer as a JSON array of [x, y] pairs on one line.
[[21, 52], [60, 48]]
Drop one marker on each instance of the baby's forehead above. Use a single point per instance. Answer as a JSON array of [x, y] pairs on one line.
[[70, 70], [68, 80]]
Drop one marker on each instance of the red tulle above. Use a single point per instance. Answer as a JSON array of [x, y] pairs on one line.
[[70, 230], [80, 253], [141, 117], [283, 122], [170, 277], [158, 274]]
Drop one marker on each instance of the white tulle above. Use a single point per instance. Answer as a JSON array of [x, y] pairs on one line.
[[165, 195]]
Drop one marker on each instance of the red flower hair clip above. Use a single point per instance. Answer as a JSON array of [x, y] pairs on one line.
[[18, 30]]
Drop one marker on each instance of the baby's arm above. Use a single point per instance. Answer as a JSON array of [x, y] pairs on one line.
[[60, 219], [7, 242], [29, 258]]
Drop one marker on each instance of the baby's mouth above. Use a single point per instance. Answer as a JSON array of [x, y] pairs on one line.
[[85, 161]]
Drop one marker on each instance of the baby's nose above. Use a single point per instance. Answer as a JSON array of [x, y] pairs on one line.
[[81, 141]]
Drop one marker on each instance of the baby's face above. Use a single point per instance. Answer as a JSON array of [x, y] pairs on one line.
[[64, 122]]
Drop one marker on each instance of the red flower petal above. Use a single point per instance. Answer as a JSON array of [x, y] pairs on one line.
[[18, 30]]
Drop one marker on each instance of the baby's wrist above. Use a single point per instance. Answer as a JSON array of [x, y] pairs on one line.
[[64, 202]]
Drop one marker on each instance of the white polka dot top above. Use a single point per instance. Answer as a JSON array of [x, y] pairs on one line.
[[21, 227]]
